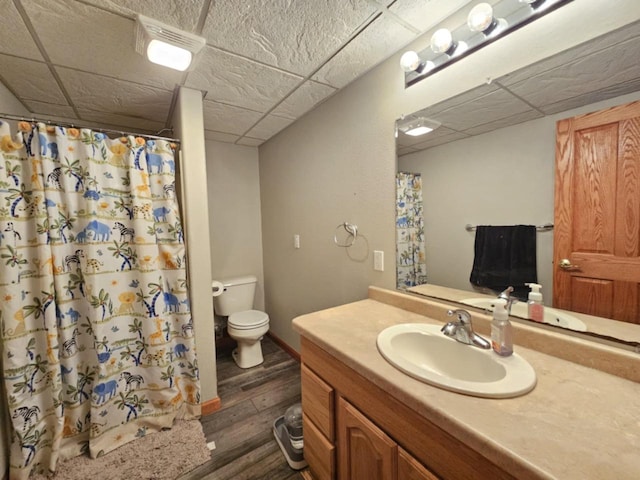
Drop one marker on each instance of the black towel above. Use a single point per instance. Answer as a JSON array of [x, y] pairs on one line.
[[505, 256]]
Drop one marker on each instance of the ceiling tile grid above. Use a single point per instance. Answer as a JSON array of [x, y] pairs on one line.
[[293, 36], [31, 80], [377, 42], [228, 119], [234, 80], [266, 62], [15, 38]]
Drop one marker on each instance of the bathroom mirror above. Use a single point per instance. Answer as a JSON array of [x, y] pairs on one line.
[[492, 161]]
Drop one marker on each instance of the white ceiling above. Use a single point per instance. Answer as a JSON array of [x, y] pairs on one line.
[[266, 62], [604, 67]]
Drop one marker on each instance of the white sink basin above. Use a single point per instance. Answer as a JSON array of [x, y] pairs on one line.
[[425, 353], [551, 315]]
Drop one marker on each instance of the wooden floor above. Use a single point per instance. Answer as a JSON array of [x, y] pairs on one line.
[[251, 401]]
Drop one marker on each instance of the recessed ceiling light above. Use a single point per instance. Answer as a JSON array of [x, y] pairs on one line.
[[166, 45]]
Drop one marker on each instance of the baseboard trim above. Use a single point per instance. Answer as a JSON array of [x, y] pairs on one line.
[[285, 346], [210, 406]]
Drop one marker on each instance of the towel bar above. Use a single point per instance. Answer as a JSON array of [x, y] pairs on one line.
[[540, 228]]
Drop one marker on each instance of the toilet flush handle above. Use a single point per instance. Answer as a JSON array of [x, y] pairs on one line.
[[216, 288]]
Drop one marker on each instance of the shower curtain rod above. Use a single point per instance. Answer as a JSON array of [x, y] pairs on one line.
[[22, 118]]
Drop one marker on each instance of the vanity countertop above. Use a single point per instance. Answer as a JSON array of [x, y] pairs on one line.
[[578, 422]]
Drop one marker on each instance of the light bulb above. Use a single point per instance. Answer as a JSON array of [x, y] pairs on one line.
[[480, 17], [442, 41], [410, 61], [481, 20]]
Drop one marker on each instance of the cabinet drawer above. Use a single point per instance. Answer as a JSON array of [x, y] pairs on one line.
[[318, 402], [318, 452]]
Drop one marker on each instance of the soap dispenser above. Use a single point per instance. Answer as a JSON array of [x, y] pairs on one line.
[[535, 307], [501, 335]]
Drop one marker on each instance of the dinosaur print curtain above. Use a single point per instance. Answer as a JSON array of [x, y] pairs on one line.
[[97, 335], [411, 265]]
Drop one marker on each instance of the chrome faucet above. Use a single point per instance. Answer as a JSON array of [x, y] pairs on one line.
[[506, 295], [462, 330]]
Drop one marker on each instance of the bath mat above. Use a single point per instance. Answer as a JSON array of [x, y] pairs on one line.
[[164, 455]]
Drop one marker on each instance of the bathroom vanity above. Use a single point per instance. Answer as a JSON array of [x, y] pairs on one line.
[[363, 418]]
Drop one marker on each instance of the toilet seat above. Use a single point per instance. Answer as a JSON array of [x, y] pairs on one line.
[[247, 320]]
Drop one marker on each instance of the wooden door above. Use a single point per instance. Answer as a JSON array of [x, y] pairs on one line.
[[365, 451], [597, 214]]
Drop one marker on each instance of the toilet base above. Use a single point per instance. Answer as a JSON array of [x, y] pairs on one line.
[[248, 355]]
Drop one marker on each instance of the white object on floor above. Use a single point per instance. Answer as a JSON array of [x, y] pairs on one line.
[[211, 445]]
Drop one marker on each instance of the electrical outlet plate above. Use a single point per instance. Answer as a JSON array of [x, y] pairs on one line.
[[378, 260]]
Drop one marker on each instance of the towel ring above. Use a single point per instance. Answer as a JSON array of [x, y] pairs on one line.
[[352, 233]]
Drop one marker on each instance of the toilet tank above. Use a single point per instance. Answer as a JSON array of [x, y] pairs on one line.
[[237, 296]]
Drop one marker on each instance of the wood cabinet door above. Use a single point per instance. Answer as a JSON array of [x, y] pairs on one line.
[[597, 214], [364, 451], [411, 469], [318, 452]]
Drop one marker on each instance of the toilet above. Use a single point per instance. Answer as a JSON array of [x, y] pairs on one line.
[[245, 326]]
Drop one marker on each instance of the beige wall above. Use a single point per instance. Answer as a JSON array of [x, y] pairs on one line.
[[234, 213], [338, 162], [189, 127], [8, 104], [507, 179]]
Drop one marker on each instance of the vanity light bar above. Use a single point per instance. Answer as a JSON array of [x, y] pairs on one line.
[[485, 25]]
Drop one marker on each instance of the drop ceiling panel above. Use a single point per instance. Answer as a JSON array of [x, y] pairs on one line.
[[461, 99], [440, 139], [183, 14], [115, 121], [496, 105], [98, 93], [376, 43], [220, 137], [250, 142], [405, 151], [31, 80], [592, 97], [49, 109], [504, 122], [303, 99], [14, 36], [94, 41], [228, 119], [296, 36], [234, 80], [425, 15], [561, 60], [269, 126], [601, 69]]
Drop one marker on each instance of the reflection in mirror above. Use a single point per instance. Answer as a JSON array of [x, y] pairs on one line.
[[492, 161]]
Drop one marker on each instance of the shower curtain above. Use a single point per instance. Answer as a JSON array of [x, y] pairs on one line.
[[97, 335], [410, 258]]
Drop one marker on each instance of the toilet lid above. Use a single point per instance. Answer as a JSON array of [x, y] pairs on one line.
[[248, 319]]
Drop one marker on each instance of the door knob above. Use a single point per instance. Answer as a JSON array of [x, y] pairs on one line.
[[566, 264]]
